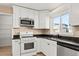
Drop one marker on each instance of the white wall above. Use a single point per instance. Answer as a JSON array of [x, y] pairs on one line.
[[5, 30]]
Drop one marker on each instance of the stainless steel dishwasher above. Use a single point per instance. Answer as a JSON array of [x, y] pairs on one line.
[[64, 49]]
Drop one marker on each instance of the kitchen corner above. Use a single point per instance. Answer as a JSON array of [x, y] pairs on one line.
[[51, 38], [42, 29]]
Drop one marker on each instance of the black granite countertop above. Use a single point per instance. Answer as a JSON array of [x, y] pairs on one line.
[[16, 37], [49, 36], [45, 35], [65, 41], [67, 38]]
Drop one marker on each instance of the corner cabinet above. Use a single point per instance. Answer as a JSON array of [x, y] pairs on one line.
[[48, 47], [42, 20], [16, 16], [74, 14], [51, 48]]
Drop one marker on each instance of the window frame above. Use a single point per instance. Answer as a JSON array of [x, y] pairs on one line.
[[59, 24], [64, 13]]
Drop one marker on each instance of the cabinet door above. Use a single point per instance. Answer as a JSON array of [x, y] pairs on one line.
[[16, 16], [52, 48], [48, 47], [31, 14], [16, 47], [43, 20], [47, 21], [38, 44], [41, 43], [27, 13], [36, 20], [24, 12], [43, 46]]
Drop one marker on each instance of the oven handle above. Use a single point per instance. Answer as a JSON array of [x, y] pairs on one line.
[[28, 42]]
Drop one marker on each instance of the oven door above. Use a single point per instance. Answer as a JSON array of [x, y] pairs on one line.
[[28, 46]]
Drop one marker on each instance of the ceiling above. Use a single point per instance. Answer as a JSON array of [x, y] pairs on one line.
[[36, 6], [40, 6]]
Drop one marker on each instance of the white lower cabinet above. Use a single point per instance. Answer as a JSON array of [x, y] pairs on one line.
[[51, 48], [16, 47], [43, 46], [38, 44], [48, 47]]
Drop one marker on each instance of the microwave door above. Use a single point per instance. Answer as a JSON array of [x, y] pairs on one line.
[[25, 22]]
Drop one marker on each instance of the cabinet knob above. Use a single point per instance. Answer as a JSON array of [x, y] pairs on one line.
[[48, 44]]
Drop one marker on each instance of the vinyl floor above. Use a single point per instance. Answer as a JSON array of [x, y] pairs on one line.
[[6, 51]]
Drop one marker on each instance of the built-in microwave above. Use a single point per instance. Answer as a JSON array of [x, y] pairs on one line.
[[26, 22]]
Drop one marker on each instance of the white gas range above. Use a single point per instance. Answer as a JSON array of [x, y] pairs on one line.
[[28, 43]]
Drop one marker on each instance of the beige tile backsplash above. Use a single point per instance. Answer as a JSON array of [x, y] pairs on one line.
[[76, 31], [41, 31], [26, 29]]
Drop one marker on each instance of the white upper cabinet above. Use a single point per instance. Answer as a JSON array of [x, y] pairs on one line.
[[36, 20], [43, 20], [16, 16], [20, 12], [31, 14], [24, 12], [74, 16], [27, 13]]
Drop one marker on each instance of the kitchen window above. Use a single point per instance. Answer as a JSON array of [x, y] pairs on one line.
[[56, 24], [61, 24]]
